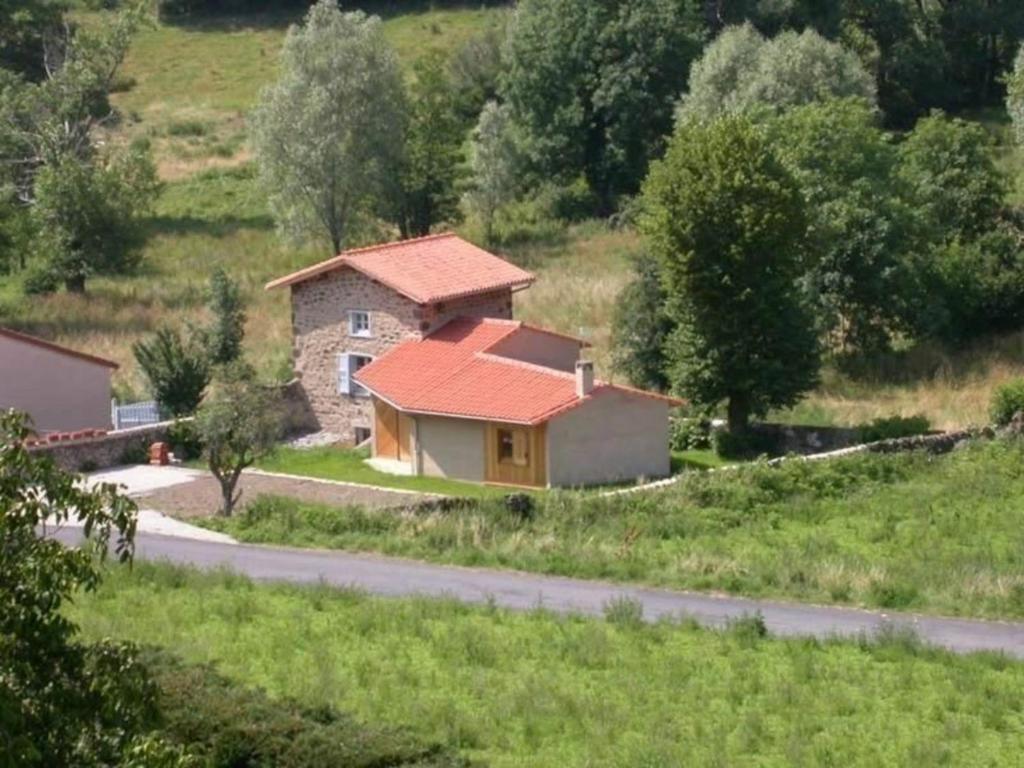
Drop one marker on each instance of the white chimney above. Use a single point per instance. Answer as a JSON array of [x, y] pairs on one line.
[[584, 378]]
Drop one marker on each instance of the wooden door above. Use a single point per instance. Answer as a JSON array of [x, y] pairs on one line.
[[404, 437], [385, 430]]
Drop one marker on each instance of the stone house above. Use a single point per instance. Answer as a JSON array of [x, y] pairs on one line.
[[413, 344]]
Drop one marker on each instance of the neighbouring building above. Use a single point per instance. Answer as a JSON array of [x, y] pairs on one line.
[[413, 344], [61, 389]]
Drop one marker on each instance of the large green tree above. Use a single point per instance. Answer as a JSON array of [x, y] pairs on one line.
[[328, 135], [496, 162], [591, 84], [742, 72], [729, 225]]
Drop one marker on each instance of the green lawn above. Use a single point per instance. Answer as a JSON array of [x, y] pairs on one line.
[[350, 466], [909, 532], [531, 689]]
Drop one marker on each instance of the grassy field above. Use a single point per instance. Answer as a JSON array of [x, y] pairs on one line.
[[539, 690], [908, 532]]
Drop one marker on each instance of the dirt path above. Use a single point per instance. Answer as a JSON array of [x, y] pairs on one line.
[[201, 496]]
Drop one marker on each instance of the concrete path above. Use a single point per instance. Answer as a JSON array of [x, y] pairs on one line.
[[393, 577]]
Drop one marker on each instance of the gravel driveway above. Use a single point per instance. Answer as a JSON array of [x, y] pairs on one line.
[[201, 496]]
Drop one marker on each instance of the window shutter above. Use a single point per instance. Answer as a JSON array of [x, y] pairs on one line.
[[344, 377]]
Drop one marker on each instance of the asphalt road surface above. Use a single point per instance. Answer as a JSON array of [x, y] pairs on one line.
[[522, 591]]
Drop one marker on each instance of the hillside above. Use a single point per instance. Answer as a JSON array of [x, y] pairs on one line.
[[187, 88]]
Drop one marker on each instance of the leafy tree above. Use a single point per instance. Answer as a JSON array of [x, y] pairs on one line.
[[475, 68], [177, 368], [641, 328], [239, 422], [742, 72], [62, 702], [328, 134], [860, 276], [223, 338], [495, 161], [25, 26], [591, 85], [948, 165], [729, 225], [433, 151], [89, 215]]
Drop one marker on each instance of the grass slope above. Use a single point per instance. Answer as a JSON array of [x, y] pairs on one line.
[[910, 532], [533, 689]]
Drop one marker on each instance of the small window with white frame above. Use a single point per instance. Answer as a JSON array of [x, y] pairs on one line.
[[348, 364], [359, 323]]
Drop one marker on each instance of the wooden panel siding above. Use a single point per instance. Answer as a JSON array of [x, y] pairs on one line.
[[392, 432], [523, 459]]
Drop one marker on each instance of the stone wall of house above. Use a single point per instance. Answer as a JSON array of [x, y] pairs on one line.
[[105, 450], [320, 333]]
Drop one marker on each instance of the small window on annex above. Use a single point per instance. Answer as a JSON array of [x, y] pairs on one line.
[[513, 447]]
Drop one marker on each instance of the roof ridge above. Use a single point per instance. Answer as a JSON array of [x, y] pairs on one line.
[[388, 245], [485, 355]]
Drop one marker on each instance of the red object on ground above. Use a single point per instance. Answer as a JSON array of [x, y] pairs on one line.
[[159, 455]]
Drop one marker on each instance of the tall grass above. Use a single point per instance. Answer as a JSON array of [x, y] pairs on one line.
[[908, 532], [517, 689]]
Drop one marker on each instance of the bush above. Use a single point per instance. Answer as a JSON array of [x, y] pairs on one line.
[[1007, 401], [40, 281], [747, 445], [894, 427], [689, 434], [226, 725], [177, 369], [185, 440]]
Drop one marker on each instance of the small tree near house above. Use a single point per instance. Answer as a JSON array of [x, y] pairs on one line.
[[239, 422]]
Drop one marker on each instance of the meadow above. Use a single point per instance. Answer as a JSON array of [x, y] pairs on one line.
[[909, 532], [513, 689], [187, 88]]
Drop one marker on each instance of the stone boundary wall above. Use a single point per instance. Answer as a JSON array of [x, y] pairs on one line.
[[108, 450], [938, 443]]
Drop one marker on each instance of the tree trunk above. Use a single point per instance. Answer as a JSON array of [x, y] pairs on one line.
[[739, 414], [75, 283]]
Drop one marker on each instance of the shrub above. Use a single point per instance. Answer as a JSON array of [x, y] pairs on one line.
[[185, 440], [39, 281], [689, 434], [894, 427], [177, 369], [624, 611], [226, 725], [1007, 401]]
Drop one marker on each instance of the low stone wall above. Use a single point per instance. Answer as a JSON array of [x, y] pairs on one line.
[[108, 450], [788, 438]]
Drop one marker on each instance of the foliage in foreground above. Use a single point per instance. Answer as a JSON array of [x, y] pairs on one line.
[[565, 692], [908, 531], [62, 702]]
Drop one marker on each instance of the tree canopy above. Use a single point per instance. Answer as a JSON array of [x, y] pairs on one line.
[[729, 225], [328, 135], [591, 85]]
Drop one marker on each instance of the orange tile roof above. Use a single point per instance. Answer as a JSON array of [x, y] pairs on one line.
[[451, 373], [60, 350], [426, 269]]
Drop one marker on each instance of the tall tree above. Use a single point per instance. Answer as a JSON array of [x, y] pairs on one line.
[[729, 225], [642, 327], [742, 72], [223, 337], [1015, 96], [328, 134], [495, 162], [433, 151], [591, 84], [25, 28]]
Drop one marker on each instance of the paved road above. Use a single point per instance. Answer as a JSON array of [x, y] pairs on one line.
[[521, 591]]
